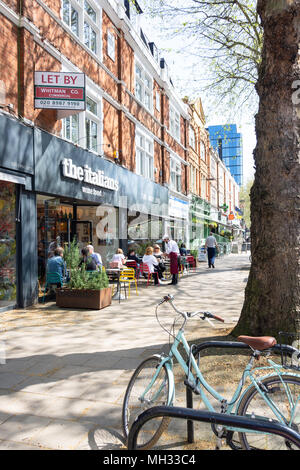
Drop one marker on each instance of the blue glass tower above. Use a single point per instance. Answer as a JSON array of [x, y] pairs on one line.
[[228, 143]]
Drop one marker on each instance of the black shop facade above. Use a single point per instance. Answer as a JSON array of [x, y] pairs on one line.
[[61, 193]]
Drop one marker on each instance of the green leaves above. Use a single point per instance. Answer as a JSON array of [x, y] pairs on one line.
[[80, 278], [225, 35], [83, 279]]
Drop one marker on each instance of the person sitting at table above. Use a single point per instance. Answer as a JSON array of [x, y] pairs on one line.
[[119, 257], [183, 250], [159, 256], [90, 264], [133, 257], [152, 263], [56, 264], [96, 256], [157, 252]]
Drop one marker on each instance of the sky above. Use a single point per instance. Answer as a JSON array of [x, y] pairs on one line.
[[188, 77]]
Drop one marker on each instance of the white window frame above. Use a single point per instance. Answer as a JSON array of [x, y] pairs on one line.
[[70, 119], [193, 179], [174, 122], [141, 82], [175, 169], [111, 45], [85, 18], [94, 118], [144, 151], [94, 93], [203, 188], [75, 6], [157, 100], [213, 196], [192, 138], [202, 150]]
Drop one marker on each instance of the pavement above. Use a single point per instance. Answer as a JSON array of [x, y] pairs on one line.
[[66, 371]]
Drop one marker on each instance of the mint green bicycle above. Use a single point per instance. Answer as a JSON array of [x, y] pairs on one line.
[[274, 396]]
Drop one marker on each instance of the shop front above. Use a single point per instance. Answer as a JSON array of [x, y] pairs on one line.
[[52, 192], [82, 195], [17, 205], [178, 221], [199, 222]]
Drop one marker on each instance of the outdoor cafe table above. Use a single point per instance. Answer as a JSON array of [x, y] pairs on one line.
[[114, 273]]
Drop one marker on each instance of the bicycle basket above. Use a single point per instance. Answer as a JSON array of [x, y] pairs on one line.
[[290, 350]]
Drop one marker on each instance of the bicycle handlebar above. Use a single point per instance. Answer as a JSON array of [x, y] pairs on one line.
[[216, 317], [170, 298]]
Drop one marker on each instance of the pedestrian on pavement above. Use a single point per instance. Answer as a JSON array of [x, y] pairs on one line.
[[173, 251], [211, 246]]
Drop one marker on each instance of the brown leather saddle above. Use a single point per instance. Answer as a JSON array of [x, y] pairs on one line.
[[259, 343]]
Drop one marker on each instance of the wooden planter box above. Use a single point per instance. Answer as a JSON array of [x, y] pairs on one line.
[[84, 298]]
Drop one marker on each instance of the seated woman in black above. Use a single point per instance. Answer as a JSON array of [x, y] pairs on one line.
[[132, 257], [159, 256], [90, 264]]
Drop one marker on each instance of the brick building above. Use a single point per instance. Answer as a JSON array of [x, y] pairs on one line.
[[213, 192], [114, 174]]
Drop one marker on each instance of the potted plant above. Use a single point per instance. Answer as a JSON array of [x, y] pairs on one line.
[[85, 289]]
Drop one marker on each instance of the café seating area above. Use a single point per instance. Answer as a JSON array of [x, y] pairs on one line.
[[126, 278]]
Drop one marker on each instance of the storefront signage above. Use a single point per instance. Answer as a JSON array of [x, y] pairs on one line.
[[87, 175], [59, 90], [64, 170], [178, 208], [16, 146]]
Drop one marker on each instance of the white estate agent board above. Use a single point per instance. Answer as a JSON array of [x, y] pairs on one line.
[[59, 90]]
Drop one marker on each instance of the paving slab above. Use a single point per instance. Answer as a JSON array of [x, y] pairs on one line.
[[66, 372]]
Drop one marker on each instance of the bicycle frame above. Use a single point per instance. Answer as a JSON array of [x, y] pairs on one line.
[[167, 361]]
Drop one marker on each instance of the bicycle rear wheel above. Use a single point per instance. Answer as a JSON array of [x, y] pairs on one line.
[[253, 404], [135, 402]]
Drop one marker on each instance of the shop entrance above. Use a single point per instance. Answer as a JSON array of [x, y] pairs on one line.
[[61, 220]]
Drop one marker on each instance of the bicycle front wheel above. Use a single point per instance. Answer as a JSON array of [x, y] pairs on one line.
[[136, 400], [285, 396]]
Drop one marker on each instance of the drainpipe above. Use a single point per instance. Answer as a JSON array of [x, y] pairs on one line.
[[162, 107], [20, 44], [120, 38]]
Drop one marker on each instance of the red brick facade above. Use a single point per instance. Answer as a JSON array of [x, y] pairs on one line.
[[39, 42]]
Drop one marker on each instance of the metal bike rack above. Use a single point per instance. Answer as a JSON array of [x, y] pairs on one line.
[[242, 422], [277, 349]]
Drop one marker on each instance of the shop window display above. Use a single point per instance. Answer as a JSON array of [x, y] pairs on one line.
[[8, 286]]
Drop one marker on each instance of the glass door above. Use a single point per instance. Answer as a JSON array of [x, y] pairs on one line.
[[83, 231]]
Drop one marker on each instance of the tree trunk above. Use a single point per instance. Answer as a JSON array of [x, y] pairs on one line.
[[272, 296]]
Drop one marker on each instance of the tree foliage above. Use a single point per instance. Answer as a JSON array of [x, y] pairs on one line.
[[224, 35]]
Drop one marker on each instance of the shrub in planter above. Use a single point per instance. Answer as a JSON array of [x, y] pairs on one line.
[[86, 289]]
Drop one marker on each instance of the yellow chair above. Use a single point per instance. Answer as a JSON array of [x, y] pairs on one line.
[[128, 276]]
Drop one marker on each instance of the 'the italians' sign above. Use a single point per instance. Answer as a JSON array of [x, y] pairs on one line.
[[59, 90], [86, 175]]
